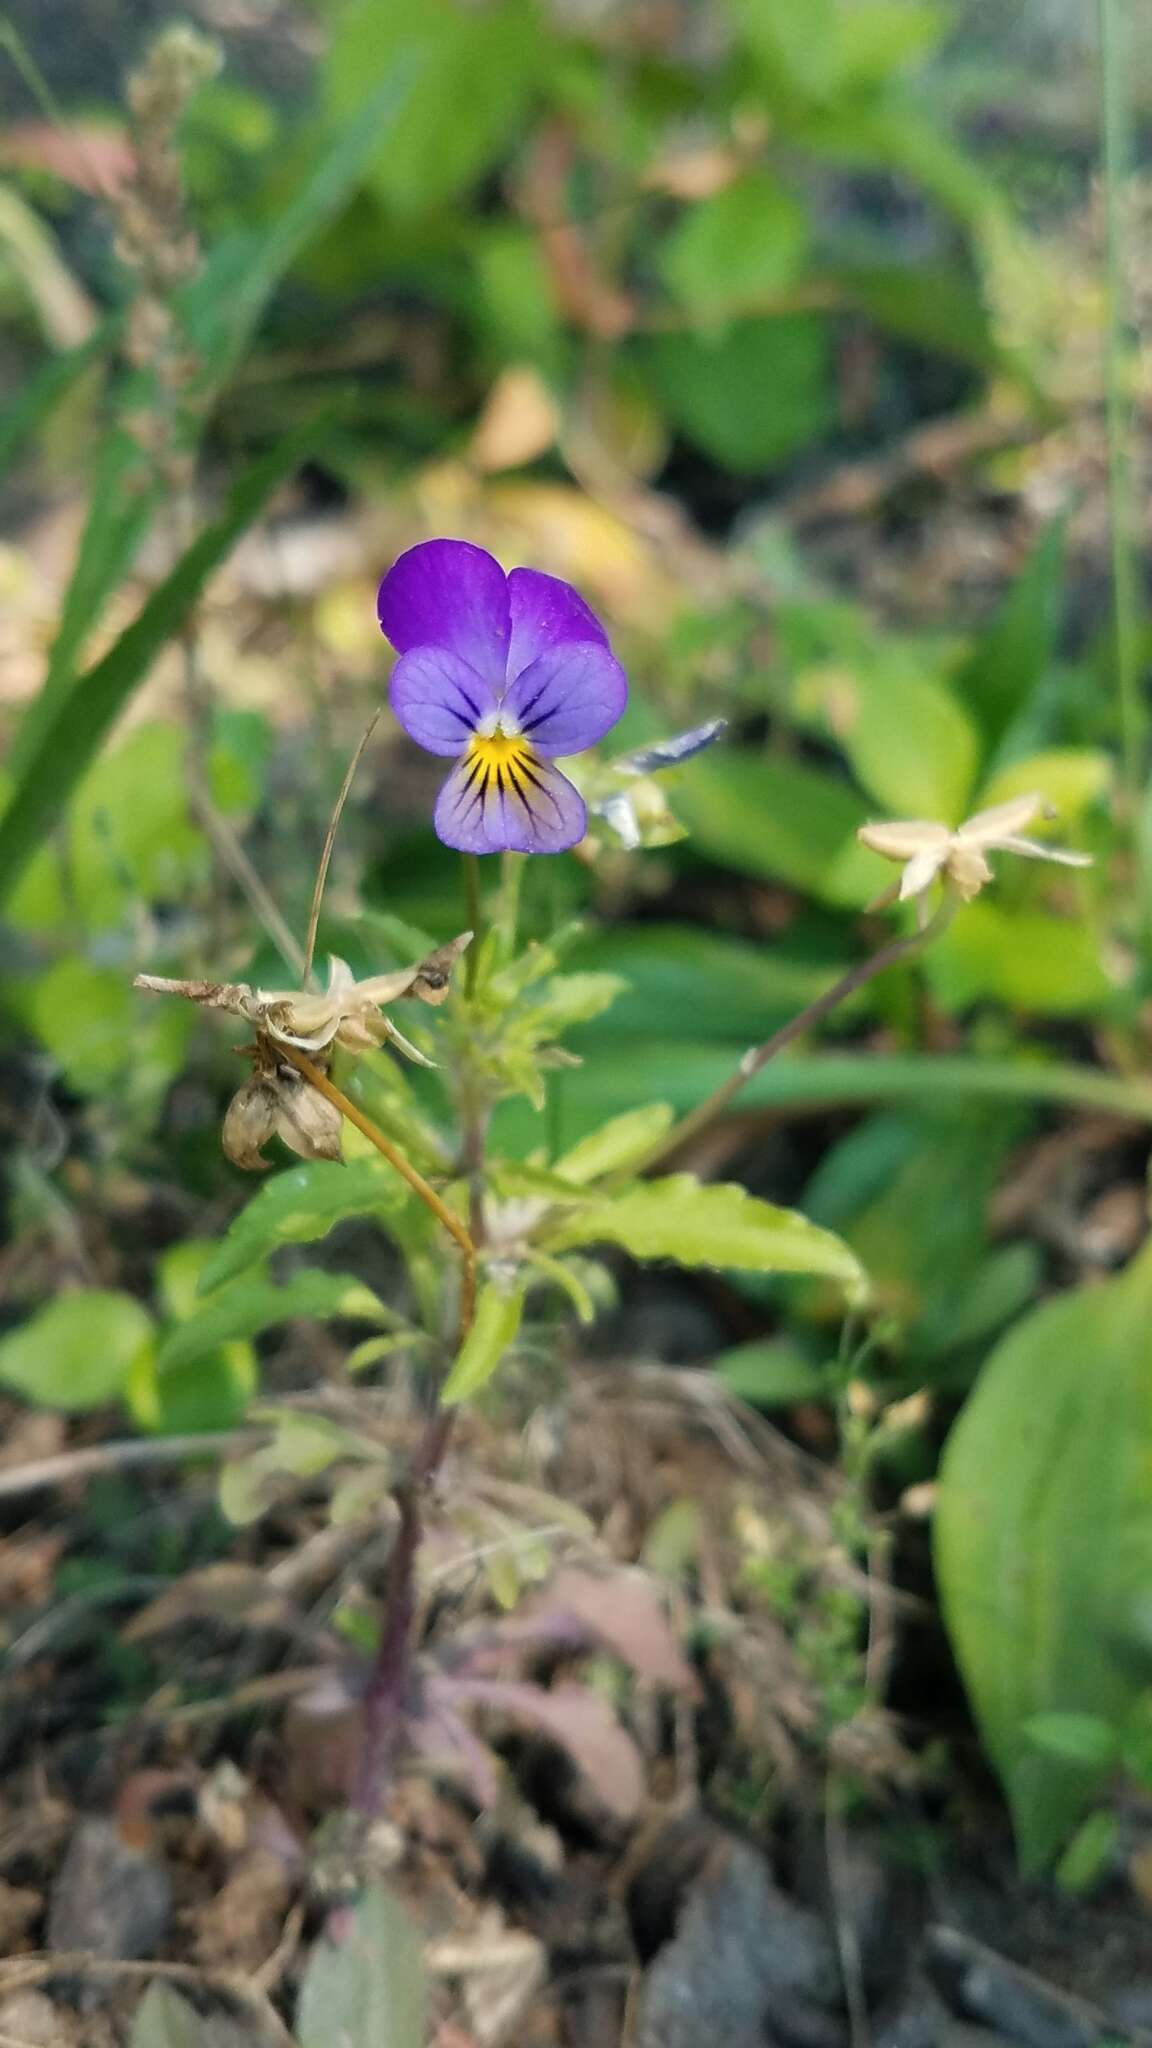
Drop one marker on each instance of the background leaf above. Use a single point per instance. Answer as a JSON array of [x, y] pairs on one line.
[[497, 1320], [364, 1983], [77, 1352], [1044, 1541]]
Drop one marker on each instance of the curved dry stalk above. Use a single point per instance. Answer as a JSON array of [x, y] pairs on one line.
[[446, 1217], [329, 843], [714, 1105]]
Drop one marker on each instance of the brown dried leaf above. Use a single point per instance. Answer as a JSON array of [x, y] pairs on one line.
[[622, 1610], [221, 1592], [580, 1722]]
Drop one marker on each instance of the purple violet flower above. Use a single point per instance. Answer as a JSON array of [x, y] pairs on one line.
[[508, 673]]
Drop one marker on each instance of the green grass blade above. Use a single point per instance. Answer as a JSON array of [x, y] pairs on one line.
[[73, 738], [43, 392]]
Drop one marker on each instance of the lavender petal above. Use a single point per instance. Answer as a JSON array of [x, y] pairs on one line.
[[447, 593], [439, 698], [546, 611], [679, 746], [539, 813], [569, 697]]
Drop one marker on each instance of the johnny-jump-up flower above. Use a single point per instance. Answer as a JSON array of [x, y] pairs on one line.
[[508, 674], [931, 850]]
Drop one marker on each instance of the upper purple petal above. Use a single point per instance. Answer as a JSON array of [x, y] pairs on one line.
[[546, 815], [545, 611], [438, 698], [569, 697], [447, 593]]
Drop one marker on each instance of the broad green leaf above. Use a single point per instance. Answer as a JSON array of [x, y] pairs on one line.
[[622, 1143], [300, 1206], [879, 38], [1078, 1738], [1044, 1540], [912, 747], [497, 1321], [751, 396], [249, 1305], [364, 1983], [472, 71], [797, 47], [771, 1373], [87, 1018], [939, 309], [23, 419], [776, 819], [211, 1391], [78, 727], [671, 969], [77, 1352], [683, 1219], [746, 241], [1069, 778], [1046, 966], [166, 2020], [1007, 665]]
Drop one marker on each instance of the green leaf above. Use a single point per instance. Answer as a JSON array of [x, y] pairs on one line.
[[796, 47], [77, 729], [365, 1989], [249, 1305], [300, 1206], [165, 2020], [497, 1321], [772, 1373], [1078, 1738], [1092, 1849], [1008, 663], [223, 306], [671, 968], [77, 1352], [937, 308], [125, 495], [911, 746], [87, 1019], [1034, 963], [752, 396], [779, 820], [472, 70], [23, 419], [695, 1224], [746, 241], [622, 1143], [1044, 1540]]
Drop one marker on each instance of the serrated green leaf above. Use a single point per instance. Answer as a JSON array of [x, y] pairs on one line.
[[619, 1144], [1044, 1539], [300, 1206], [497, 1321], [366, 1988], [249, 1305], [77, 1352], [697, 1224]]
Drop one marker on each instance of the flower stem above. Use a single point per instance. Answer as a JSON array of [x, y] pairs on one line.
[[1114, 59], [446, 1217], [508, 915], [714, 1105], [387, 1693], [473, 918]]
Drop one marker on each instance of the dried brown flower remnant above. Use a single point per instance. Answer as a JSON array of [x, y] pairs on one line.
[[276, 1100], [931, 850]]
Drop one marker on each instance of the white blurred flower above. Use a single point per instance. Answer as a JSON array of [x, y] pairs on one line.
[[931, 850]]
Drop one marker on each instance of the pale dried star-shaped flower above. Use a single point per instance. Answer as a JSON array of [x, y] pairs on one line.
[[932, 850], [276, 1099]]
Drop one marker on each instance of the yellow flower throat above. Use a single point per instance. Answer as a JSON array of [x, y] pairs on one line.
[[501, 761]]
